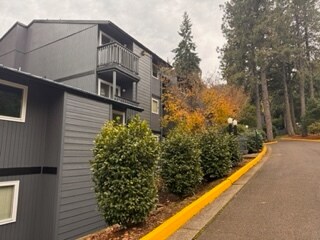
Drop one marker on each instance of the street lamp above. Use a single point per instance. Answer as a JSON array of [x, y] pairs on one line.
[[230, 125], [235, 127]]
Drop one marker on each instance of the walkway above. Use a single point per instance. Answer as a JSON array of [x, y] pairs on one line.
[[282, 201]]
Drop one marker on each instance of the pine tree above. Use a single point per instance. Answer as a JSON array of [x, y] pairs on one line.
[[186, 60]]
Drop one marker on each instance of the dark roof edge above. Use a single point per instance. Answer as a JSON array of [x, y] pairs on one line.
[[67, 88], [12, 27], [69, 21]]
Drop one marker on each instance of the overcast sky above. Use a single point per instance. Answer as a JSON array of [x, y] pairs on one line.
[[152, 22]]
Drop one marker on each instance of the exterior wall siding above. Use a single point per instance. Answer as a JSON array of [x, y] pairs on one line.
[[34, 143], [12, 47], [28, 205], [155, 121], [23, 144], [87, 83], [144, 85], [77, 212], [73, 53]]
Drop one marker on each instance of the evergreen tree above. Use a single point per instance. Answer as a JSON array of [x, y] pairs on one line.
[[186, 60]]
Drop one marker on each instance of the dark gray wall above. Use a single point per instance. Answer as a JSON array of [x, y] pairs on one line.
[[155, 86], [34, 143], [144, 85], [47, 216], [87, 83], [12, 47], [155, 92], [77, 211], [25, 226], [23, 144], [61, 50]]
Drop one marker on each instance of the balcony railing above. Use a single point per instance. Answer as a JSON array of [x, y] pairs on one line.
[[126, 101], [114, 53]]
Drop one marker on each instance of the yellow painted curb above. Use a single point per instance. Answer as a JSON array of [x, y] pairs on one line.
[[175, 222], [273, 142], [300, 139]]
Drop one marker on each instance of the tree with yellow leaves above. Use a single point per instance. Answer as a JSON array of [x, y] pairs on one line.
[[196, 108]]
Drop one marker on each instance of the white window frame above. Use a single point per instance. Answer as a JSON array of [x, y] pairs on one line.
[[107, 83], [158, 104], [120, 113], [23, 110], [14, 209]]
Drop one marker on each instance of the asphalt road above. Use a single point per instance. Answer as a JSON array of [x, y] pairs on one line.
[[282, 201]]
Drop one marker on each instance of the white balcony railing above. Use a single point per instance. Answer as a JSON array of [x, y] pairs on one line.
[[114, 53]]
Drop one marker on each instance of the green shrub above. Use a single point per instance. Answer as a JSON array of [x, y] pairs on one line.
[[314, 128], [254, 141], [215, 154], [180, 163], [123, 172], [234, 148]]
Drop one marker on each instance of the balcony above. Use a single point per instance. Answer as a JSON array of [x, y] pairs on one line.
[[126, 101], [114, 55]]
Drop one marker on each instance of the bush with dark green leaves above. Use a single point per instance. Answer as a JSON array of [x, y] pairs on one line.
[[124, 172], [215, 154], [234, 148], [254, 141], [180, 163], [314, 128]]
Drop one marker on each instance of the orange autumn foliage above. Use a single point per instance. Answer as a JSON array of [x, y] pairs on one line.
[[194, 109]]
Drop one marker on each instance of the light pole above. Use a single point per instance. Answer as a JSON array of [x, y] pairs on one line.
[[230, 125], [235, 127]]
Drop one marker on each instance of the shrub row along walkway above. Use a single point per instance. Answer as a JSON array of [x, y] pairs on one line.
[[282, 201]]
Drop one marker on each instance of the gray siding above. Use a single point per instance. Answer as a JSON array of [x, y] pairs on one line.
[[156, 93], [34, 143], [12, 47], [23, 144], [155, 118], [155, 86], [47, 216], [87, 83], [65, 53], [77, 213], [144, 85], [28, 206]]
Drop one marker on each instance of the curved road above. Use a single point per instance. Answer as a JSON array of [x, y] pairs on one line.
[[282, 201]]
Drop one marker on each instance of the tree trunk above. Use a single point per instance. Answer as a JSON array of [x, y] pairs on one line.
[[307, 45], [266, 105], [302, 96], [258, 108], [289, 125], [311, 83], [293, 115]]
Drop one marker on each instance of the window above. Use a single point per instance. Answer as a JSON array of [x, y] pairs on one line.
[[155, 70], [105, 89], [118, 117], [155, 106], [8, 201], [13, 101], [104, 38]]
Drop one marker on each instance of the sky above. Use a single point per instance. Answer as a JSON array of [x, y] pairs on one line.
[[154, 23]]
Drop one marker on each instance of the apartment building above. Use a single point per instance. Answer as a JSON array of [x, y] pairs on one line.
[[59, 82]]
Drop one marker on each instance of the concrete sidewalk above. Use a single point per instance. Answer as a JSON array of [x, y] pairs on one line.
[[281, 201], [199, 221]]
